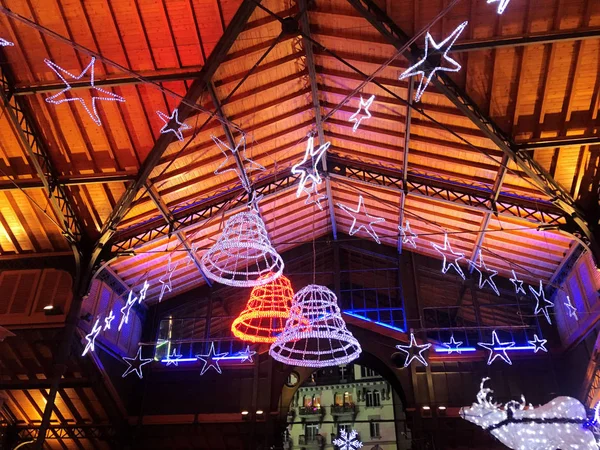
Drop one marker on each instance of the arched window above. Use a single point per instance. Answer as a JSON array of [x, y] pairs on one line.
[[307, 401]]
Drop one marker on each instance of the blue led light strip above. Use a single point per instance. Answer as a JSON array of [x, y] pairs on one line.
[[376, 322]]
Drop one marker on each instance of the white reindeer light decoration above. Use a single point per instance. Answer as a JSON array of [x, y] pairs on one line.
[[560, 424]]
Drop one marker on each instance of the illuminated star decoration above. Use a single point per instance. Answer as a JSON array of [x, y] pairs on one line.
[[361, 210], [173, 358], [143, 291], [407, 235], [167, 284], [414, 351], [226, 150], [136, 364], [310, 173], [91, 338], [453, 346], [485, 275], [176, 128], [428, 69], [538, 344], [247, 354], [502, 6], [5, 43], [367, 115], [347, 441], [571, 310], [454, 255], [253, 202], [541, 302], [101, 93], [313, 196], [518, 283], [497, 349], [211, 359], [193, 250], [125, 309], [108, 320]]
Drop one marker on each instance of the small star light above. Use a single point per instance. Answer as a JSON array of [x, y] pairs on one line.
[[347, 441], [453, 346], [226, 150], [497, 349], [518, 283], [91, 338], [502, 4], [167, 284], [361, 210], [100, 94], [125, 309], [414, 351], [571, 310], [136, 364], [144, 291], [108, 320], [541, 303], [428, 69], [357, 118], [175, 128], [309, 173], [5, 43], [538, 344], [247, 354], [407, 235], [193, 250], [453, 255], [173, 358], [485, 275], [313, 196], [211, 359]]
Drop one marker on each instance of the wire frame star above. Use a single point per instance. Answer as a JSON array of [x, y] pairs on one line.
[[311, 158], [211, 360], [255, 198], [538, 344], [541, 302], [247, 354], [5, 43], [126, 308], [247, 163], [453, 346], [347, 441], [357, 117], [173, 358], [176, 127], [447, 253], [144, 291], [100, 94], [497, 349], [502, 4], [91, 338], [427, 69], [407, 235], [486, 276], [108, 320], [413, 351], [518, 283], [571, 310], [136, 364], [361, 210], [313, 196], [167, 284], [193, 250]]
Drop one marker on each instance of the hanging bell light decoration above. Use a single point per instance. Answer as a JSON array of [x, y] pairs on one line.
[[243, 256], [315, 334], [266, 312]]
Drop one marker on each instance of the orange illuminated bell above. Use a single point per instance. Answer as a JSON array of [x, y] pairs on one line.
[[266, 312]]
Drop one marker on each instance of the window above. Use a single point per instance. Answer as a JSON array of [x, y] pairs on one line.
[[316, 401], [344, 426], [373, 398], [339, 399], [307, 401], [374, 428], [366, 372], [343, 372], [311, 431], [348, 398]]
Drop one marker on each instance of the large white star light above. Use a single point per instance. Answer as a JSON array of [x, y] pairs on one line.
[[248, 163], [347, 441], [357, 118], [486, 276], [541, 302], [176, 128], [361, 210], [497, 349], [502, 4], [447, 253], [306, 172], [211, 359], [100, 94], [136, 364], [413, 351], [430, 63]]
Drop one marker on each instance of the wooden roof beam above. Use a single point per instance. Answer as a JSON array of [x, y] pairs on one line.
[[69, 180]]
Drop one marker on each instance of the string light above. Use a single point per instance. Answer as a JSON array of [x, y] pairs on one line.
[[309, 173], [315, 334], [414, 351], [347, 441], [226, 150], [502, 4], [455, 255], [104, 94], [176, 128], [357, 118], [571, 310], [486, 276], [518, 283], [167, 284], [407, 235], [91, 337], [136, 364], [361, 210], [266, 312], [211, 360], [108, 320], [5, 43], [243, 255], [538, 344], [497, 349], [541, 303], [425, 68], [453, 346]]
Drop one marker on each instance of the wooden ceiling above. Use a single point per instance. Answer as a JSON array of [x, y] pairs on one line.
[[535, 92]]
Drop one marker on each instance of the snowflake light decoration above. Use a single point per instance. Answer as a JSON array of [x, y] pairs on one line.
[[357, 118], [357, 216], [176, 128], [347, 441], [447, 252], [101, 94], [414, 351], [427, 69], [497, 349], [486, 276], [307, 168], [247, 163]]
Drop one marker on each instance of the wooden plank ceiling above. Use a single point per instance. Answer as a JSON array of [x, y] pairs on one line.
[[533, 92]]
